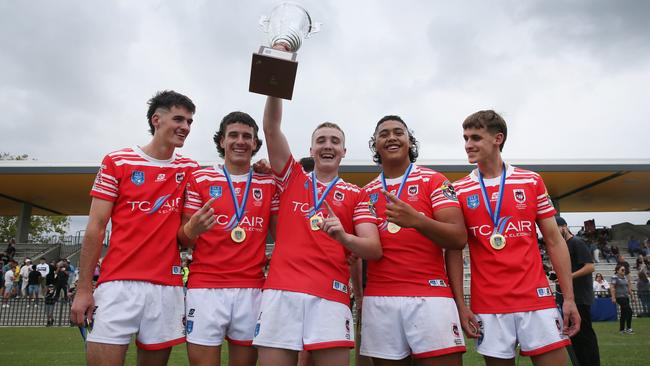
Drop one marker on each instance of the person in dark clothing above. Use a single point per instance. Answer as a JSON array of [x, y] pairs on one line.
[[11, 248], [34, 285], [49, 301], [61, 283], [584, 342], [51, 275]]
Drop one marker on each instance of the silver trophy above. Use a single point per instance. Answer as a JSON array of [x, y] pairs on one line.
[[273, 71]]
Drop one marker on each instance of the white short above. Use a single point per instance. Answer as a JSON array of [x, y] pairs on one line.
[[153, 312], [395, 327], [215, 313], [297, 321], [537, 332]]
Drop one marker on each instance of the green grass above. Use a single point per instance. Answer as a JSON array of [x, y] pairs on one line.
[[54, 346]]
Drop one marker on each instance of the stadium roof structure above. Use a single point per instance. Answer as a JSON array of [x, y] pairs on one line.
[[575, 186]]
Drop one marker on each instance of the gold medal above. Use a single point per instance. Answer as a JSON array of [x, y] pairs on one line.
[[393, 227], [238, 234], [497, 241], [315, 222]]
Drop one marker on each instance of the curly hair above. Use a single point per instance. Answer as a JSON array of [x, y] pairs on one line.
[[236, 117], [414, 145], [167, 99]]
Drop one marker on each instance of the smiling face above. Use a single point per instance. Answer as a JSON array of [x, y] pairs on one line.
[[327, 148], [392, 142], [481, 145], [172, 125], [238, 143]]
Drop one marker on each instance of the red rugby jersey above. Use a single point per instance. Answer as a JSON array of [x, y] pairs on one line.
[[309, 261], [147, 195], [511, 279], [218, 261], [412, 265]]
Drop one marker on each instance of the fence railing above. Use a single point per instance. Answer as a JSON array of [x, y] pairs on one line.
[[25, 313]]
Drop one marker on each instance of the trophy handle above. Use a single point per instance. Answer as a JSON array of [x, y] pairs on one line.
[[314, 28]]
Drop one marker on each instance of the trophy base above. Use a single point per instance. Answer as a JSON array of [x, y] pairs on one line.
[[273, 73]]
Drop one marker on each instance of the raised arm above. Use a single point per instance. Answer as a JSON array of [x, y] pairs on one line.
[[276, 143], [84, 304]]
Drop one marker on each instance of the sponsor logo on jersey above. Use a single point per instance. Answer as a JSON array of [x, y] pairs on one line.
[[338, 196], [448, 191], [180, 177], [544, 292], [520, 195], [215, 191], [190, 313], [189, 326], [495, 196], [257, 194], [473, 201], [339, 286], [413, 190], [162, 205], [238, 191], [177, 270], [137, 177], [509, 228], [437, 283]]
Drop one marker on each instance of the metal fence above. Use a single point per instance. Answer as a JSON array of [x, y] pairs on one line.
[[24, 313]]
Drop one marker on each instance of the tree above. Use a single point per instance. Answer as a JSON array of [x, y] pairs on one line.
[[41, 226]]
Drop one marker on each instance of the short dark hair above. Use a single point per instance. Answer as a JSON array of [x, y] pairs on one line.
[[413, 142], [307, 164], [490, 120], [167, 99], [236, 117]]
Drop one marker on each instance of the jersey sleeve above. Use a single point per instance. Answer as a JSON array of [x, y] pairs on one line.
[[275, 203], [107, 181], [362, 212], [443, 194], [291, 168], [544, 204], [193, 201]]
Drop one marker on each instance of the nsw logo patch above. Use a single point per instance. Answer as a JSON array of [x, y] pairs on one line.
[[137, 177], [473, 201]]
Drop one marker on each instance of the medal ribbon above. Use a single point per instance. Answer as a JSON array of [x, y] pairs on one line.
[[319, 202], [497, 210], [401, 185], [239, 210]]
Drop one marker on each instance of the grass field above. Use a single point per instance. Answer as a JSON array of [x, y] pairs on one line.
[[63, 346]]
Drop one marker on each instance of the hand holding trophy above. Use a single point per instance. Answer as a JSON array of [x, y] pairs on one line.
[[273, 69]]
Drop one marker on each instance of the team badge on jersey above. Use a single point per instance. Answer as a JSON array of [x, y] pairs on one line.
[[180, 177], [347, 329], [520, 195], [473, 202], [137, 177], [413, 190], [189, 326], [215, 191], [455, 330], [257, 194], [448, 191], [374, 197], [338, 196]]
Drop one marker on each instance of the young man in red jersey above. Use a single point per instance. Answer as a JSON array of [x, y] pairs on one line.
[[321, 219], [140, 289], [408, 305], [512, 302], [234, 207]]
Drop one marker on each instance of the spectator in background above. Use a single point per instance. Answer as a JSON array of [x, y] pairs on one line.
[[633, 246], [621, 262], [9, 277], [594, 251], [24, 276], [51, 274], [643, 290], [34, 285], [646, 247], [44, 269], [11, 248], [61, 282], [640, 261], [49, 301], [607, 253], [621, 293], [600, 284], [615, 251]]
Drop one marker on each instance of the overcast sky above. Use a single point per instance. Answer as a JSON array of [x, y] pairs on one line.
[[570, 78]]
